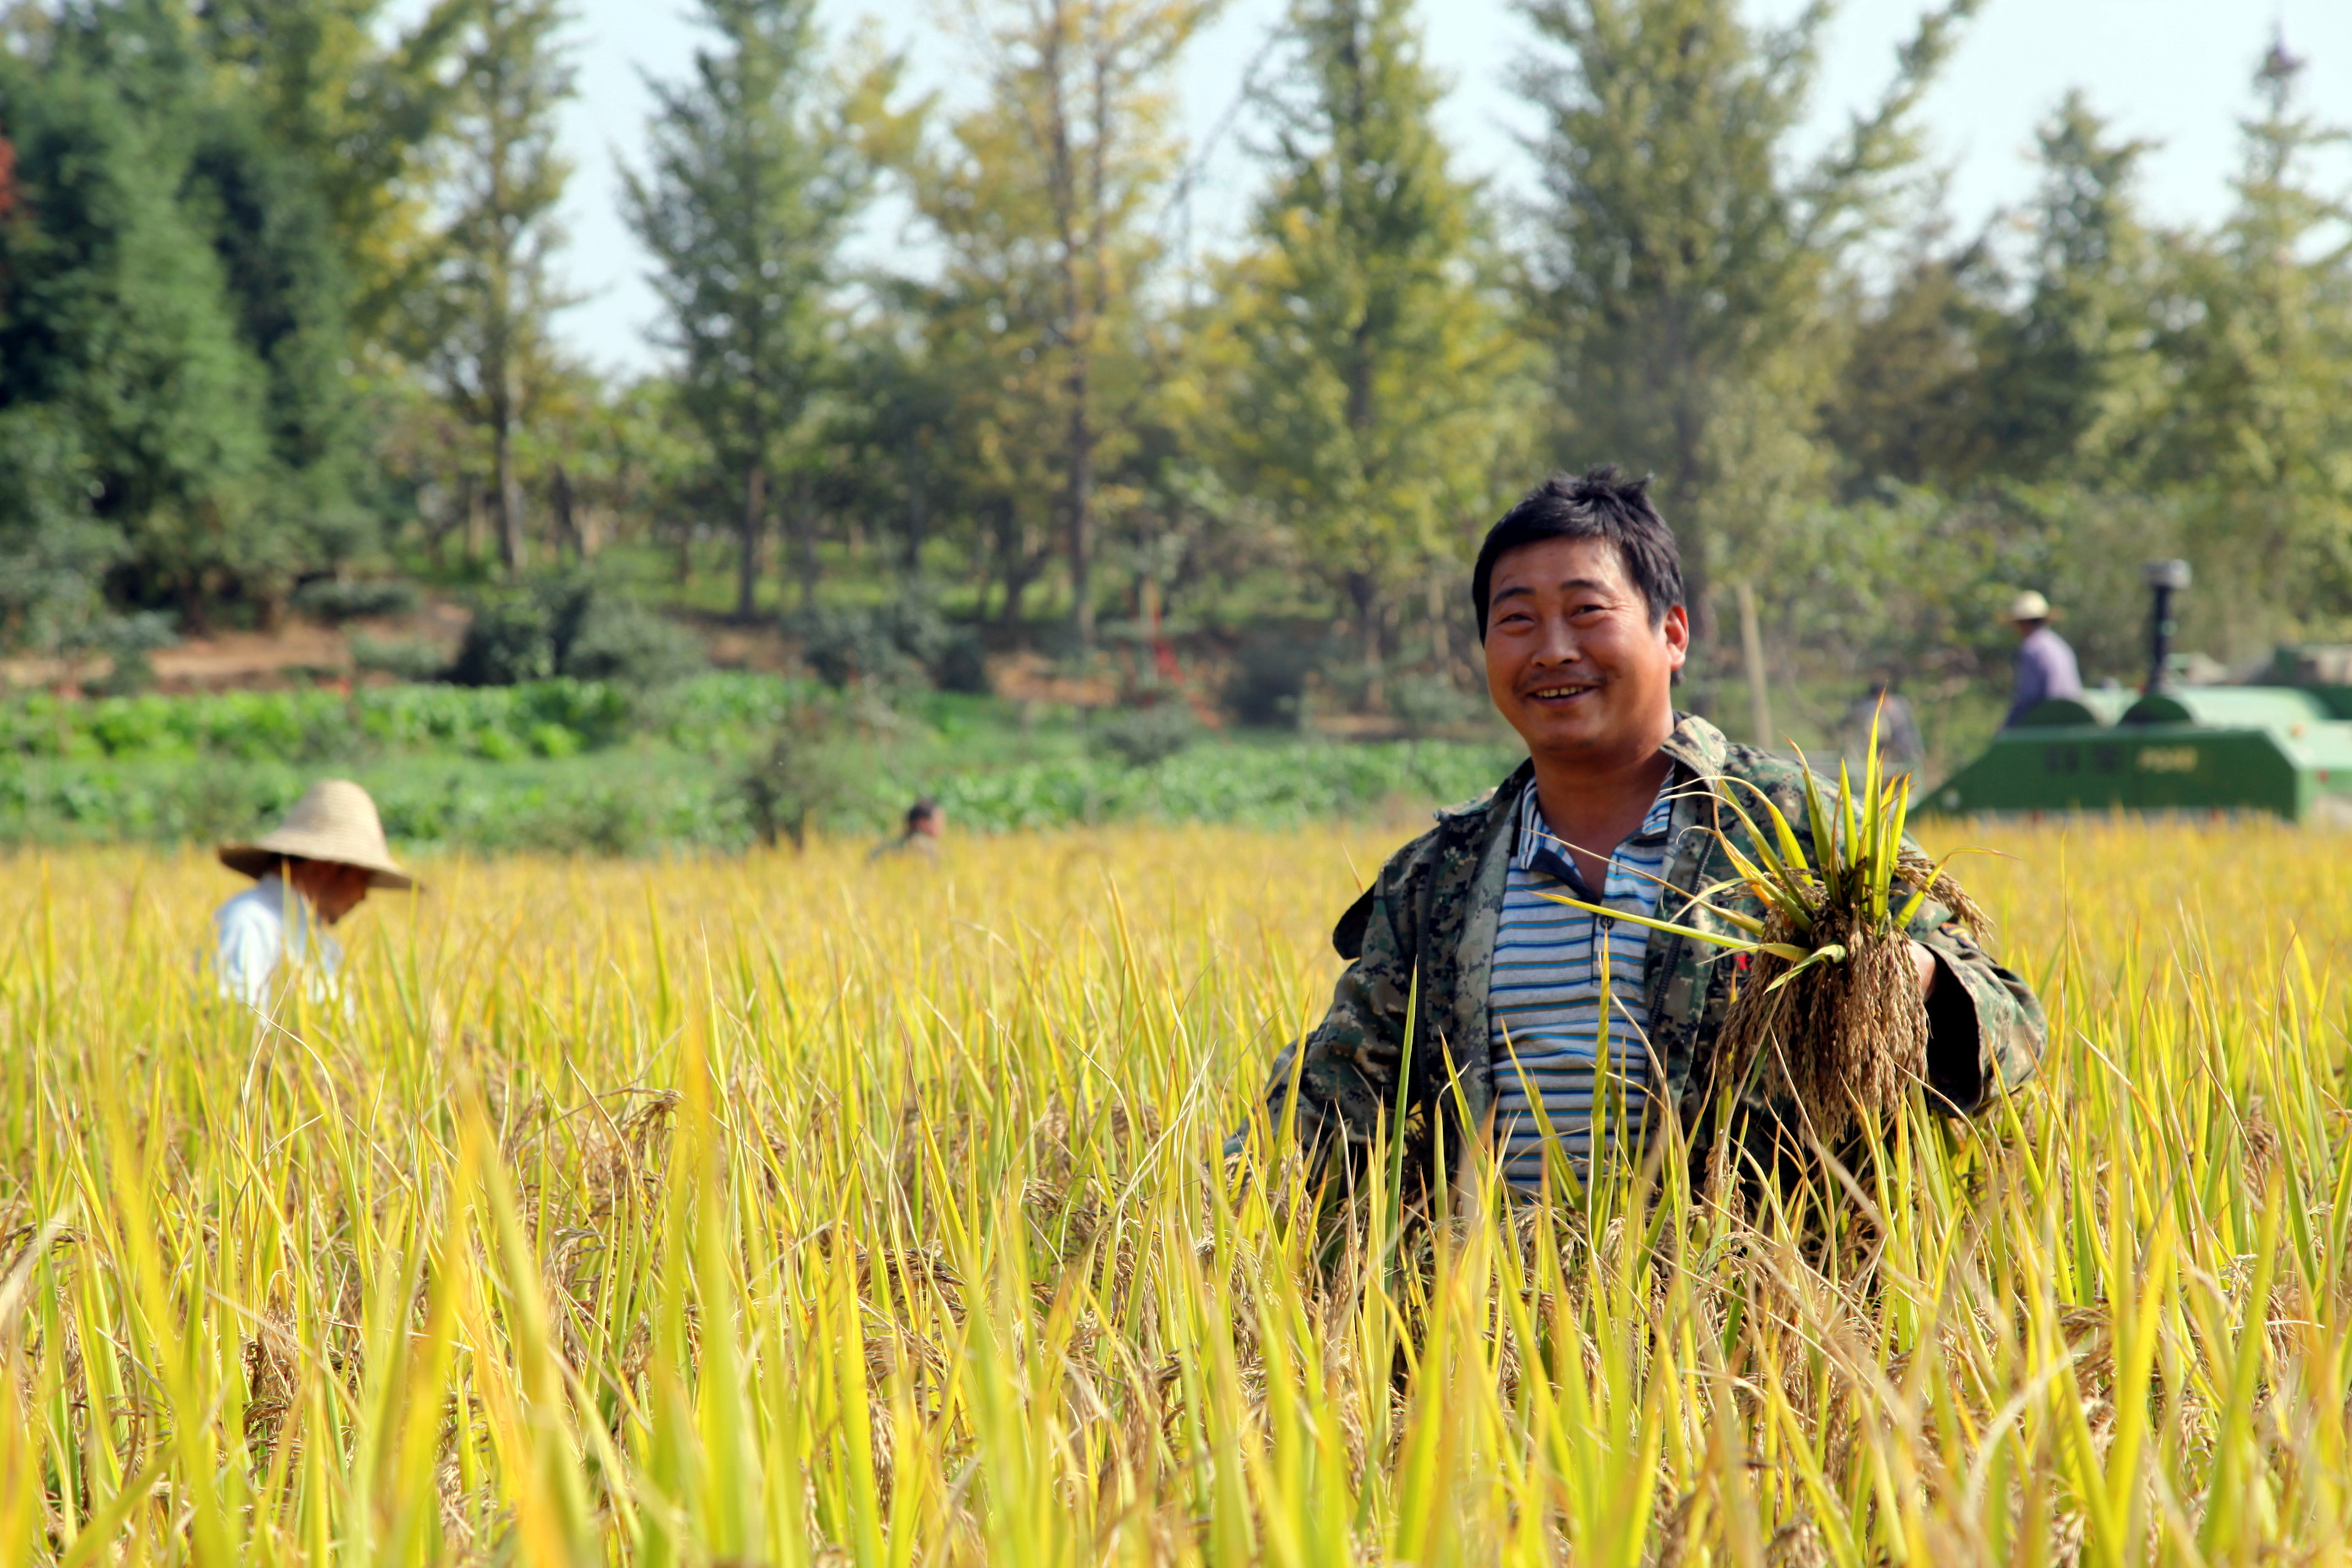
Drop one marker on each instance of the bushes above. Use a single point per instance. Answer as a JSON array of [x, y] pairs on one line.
[[1267, 688], [570, 626], [402, 659], [1142, 736], [891, 647], [334, 600], [552, 718], [810, 771]]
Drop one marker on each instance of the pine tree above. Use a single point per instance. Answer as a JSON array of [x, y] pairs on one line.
[[1688, 253], [2071, 381], [481, 319], [758, 169], [1907, 401], [356, 103], [1371, 359], [2261, 429]]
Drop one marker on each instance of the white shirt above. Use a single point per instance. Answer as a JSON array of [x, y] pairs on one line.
[[269, 925]]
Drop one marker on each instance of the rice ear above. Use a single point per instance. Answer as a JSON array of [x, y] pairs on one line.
[[1927, 876]]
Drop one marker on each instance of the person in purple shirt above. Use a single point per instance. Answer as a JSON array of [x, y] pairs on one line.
[[2046, 664]]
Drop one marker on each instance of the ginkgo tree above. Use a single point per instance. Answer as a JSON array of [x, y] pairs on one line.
[[1366, 363], [1045, 202]]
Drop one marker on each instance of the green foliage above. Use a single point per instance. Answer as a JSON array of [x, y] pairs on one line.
[[489, 788], [276, 292], [358, 103], [481, 319], [321, 725], [569, 624], [335, 600], [1142, 736], [1045, 200], [170, 302], [888, 647], [2072, 379], [759, 165], [2259, 432], [54, 553], [1267, 685], [402, 659], [812, 768], [1683, 277], [2158, 395], [1367, 355]]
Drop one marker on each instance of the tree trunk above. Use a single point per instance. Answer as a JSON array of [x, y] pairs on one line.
[[567, 526], [1690, 532], [747, 578], [1077, 325], [917, 523], [1078, 506], [1363, 592], [804, 544], [475, 531], [512, 553], [1014, 559]]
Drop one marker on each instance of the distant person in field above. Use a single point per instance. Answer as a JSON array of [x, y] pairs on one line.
[[918, 835], [313, 869], [2046, 664], [1502, 993], [1899, 746]]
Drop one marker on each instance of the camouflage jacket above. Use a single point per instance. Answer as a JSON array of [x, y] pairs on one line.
[[1422, 945]]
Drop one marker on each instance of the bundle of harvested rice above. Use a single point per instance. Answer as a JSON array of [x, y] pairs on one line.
[[1828, 1016]]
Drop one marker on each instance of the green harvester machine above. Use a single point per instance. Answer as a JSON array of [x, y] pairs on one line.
[[2283, 747]]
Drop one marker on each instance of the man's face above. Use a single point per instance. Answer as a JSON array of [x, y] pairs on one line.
[[333, 889], [1572, 660]]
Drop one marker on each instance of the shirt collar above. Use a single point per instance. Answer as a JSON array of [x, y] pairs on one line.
[[1539, 850]]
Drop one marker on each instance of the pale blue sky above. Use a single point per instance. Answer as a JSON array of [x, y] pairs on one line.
[[2172, 71]]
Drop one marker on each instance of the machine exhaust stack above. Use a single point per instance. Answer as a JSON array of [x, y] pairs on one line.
[[2165, 578]]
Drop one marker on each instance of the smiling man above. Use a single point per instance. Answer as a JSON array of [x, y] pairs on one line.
[[1487, 1011]]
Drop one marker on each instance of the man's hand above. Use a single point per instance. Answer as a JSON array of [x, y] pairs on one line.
[[1925, 963]]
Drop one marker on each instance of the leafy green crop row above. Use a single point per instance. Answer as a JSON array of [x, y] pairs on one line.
[[539, 719], [647, 800]]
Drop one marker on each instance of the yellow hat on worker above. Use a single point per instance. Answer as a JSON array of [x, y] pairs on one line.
[[2029, 607], [334, 820]]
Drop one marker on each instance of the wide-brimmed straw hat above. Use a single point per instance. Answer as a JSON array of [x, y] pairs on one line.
[[334, 820], [2028, 605]]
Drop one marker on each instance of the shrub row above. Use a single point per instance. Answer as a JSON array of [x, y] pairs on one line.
[[647, 802], [499, 723]]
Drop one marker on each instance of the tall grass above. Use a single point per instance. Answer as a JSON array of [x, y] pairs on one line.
[[787, 1212]]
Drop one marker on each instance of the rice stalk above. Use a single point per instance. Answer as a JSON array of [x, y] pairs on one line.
[[786, 1211]]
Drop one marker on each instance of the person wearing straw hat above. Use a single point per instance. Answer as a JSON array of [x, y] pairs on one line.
[[316, 867], [2046, 664]]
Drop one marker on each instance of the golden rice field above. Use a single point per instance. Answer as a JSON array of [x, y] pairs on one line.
[[778, 1211]]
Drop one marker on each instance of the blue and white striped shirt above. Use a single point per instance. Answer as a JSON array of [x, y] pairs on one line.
[[1544, 997]]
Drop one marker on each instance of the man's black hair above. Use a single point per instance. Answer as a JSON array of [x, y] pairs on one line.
[[1599, 503], [924, 807]]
